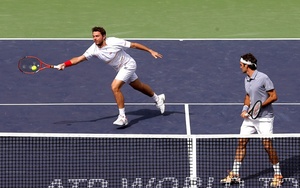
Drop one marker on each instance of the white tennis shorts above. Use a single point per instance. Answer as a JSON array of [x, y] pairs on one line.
[[127, 73], [259, 125]]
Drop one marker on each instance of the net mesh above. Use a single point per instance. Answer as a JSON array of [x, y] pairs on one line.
[[215, 157], [141, 161]]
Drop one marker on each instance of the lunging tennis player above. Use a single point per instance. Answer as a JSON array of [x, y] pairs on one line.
[[258, 87], [111, 50]]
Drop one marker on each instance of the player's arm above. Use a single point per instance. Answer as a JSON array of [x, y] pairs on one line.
[[145, 48], [272, 98], [246, 106], [71, 62]]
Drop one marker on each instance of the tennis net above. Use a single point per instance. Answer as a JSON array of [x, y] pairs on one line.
[[123, 161]]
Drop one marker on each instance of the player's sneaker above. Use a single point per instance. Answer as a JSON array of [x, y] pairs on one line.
[[231, 178], [277, 180], [161, 103], [121, 121]]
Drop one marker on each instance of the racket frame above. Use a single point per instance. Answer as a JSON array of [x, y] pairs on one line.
[[250, 112], [42, 65]]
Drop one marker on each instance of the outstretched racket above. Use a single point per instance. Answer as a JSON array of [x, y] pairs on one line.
[[255, 110], [31, 65]]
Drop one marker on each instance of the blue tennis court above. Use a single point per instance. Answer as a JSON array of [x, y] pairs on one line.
[[202, 73], [204, 92]]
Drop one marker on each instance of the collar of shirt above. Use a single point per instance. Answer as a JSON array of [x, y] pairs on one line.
[[253, 76]]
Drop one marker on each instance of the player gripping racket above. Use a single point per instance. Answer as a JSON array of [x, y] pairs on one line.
[[32, 64], [255, 110]]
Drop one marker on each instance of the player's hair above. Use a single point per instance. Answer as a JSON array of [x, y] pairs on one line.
[[99, 29], [250, 57]]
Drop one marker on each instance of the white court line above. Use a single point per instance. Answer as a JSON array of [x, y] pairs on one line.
[[180, 39], [101, 135], [187, 119], [191, 144], [136, 104]]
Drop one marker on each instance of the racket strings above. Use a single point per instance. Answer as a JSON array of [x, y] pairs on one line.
[[26, 65], [256, 109]]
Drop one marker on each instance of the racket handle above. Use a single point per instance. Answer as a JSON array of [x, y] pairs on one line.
[[247, 114], [56, 66]]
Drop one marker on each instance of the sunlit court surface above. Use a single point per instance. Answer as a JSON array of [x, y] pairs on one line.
[[61, 121]]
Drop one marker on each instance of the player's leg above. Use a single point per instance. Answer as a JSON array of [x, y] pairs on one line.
[[247, 128], [233, 176], [271, 151], [147, 90], [265, 126], [241, 150], [116, 86], [278, 178], [116, 89], [142, 87], [121, 78]]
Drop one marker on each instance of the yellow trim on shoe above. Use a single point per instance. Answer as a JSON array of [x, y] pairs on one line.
[[277, 180], [231, 178]]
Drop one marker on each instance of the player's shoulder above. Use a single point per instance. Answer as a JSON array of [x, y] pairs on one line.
[[262, 74], [113, 39]]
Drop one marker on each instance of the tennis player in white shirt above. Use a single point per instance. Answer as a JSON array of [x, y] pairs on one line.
[[111, 50]]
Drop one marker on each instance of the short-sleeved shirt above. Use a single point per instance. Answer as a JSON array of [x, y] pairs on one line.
[[113, 53], [257, 87]]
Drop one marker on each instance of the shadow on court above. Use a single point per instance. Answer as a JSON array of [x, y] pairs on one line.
[[144, 115]]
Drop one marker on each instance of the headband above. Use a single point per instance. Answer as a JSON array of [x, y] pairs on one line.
[[246, 62]]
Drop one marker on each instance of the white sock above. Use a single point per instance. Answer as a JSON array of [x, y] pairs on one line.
[[122, 111], [276, 168], [236, 167], [155, 97]]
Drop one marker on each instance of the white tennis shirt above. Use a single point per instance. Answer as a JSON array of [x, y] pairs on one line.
[[112, 54]]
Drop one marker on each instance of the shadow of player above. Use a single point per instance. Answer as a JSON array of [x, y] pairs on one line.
[[144, 114]]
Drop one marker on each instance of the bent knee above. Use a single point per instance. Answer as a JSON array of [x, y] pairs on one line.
[[116, 85]]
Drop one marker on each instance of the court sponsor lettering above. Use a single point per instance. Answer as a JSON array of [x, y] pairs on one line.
[[171, 182]]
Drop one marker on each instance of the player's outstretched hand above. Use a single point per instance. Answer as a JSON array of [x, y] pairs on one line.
[[155, 54], [61, 66]]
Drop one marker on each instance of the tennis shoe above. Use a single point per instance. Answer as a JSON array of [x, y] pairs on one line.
[[231, 178], [121, 121], [277, 181], [160, 104]]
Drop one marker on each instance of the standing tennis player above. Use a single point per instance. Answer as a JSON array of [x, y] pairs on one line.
[[258, 86], [111, 50]]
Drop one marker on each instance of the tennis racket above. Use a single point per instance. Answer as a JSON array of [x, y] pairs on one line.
[[32, 64], [255, 110]]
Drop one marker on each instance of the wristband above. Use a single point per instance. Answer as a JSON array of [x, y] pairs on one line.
[[68, 63], [245, 108]]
